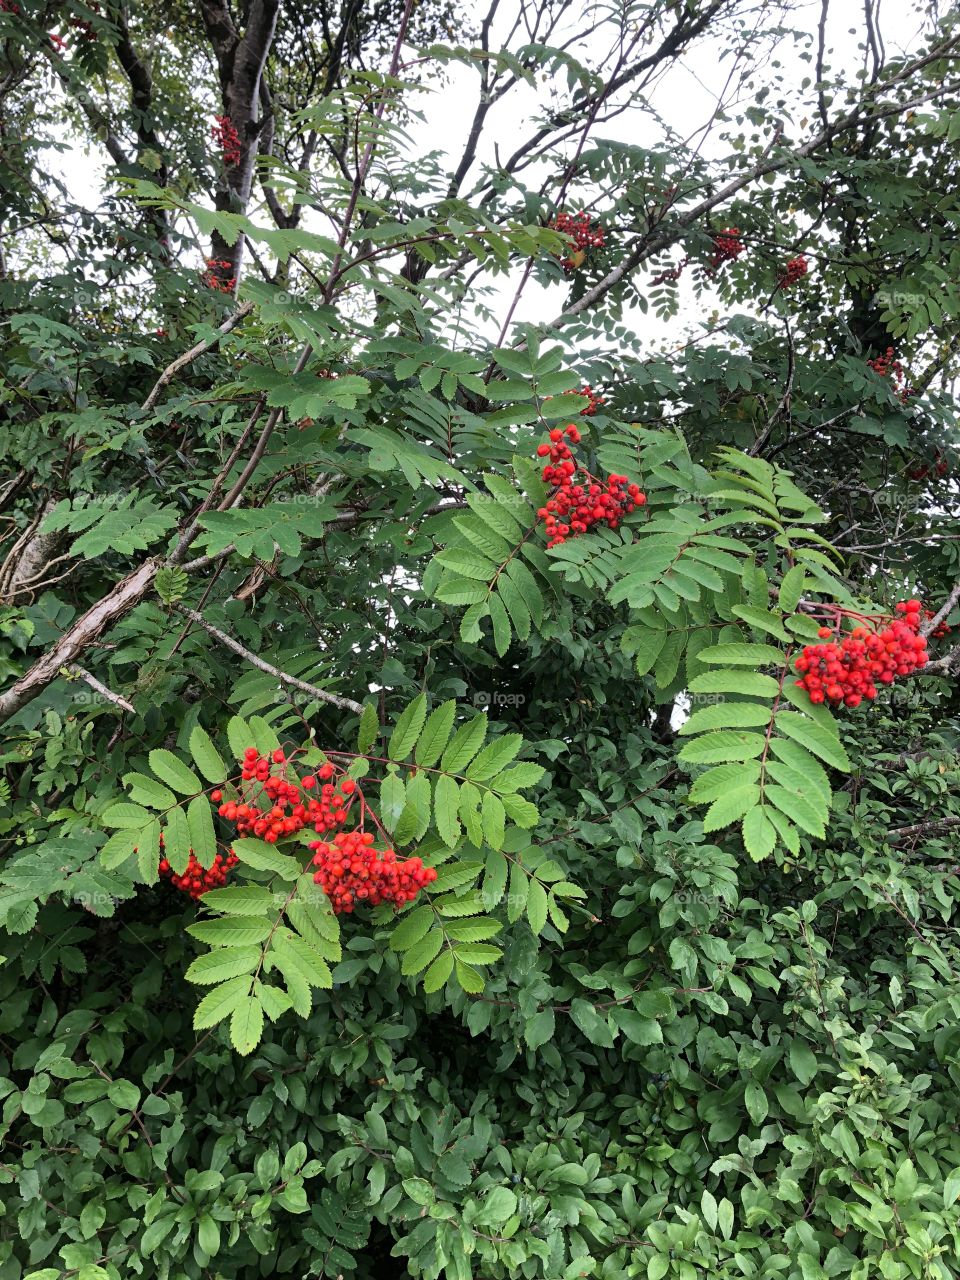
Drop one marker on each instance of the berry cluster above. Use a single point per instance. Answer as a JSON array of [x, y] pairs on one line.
[[580, 501], [213, 280], [227, 139], [197, 880], [275, 807], [941, 628], [351, 872], [921, 470], [888, 366], [84, 27], [594, 400], [796, 269], [849, 670], [584, 234], [276, 802], [671, 275], [9, 6], [726, 246]]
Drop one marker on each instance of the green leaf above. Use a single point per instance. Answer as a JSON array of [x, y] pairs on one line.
[[494, 757], [460, 591], [752, 683], [246, 1025], [759, 834], [731, 806], [516, 607], [798, 809], [206, 756], [264, 857], [144, 790], [727, 715], [744, 655], [220, 1002], [524, 774], [438, 973], [369, 728], [637, 1028], [761, 620], [493, 818], [537, 906], [119, 848], [291, 952], [718, 781], [539, 1029], [208, 1232], [497, 1207], [176, 840], [239, 736], [421, 953], [467, 563], [803, 1062], [470, 978], [127, 816], [593, 1026], [231, 931], [804, 765], [646, 646], [758, 1106], [446, 802], [393, 799], [148, 852], [415, 818], [408, 728], [791, 588], [502, 633], [203, 839], [217, 966], [814, 737], [240, 900], [464, 744], [412, 928], [723, 746], [495, 515], [436, 733], [171, 770]]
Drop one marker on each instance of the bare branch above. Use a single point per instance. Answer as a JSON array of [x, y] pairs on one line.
[[172, 369], [943, 612], [124, 597], [344, 704], [81, 673]]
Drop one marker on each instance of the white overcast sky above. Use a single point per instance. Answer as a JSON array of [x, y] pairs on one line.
[[686, 96]]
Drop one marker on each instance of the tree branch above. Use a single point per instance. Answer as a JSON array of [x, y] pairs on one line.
[[344, 704], [125, 596], [82, 674], [172, 369], [931, 624]]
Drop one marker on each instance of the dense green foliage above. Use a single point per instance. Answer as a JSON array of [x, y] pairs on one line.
[[683, 999]]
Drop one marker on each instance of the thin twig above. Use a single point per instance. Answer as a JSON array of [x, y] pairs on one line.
[[344, 704], [172, 369], [81, 673], [931, 624]]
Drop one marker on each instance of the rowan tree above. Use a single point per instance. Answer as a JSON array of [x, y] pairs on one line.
[[477, 642]]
